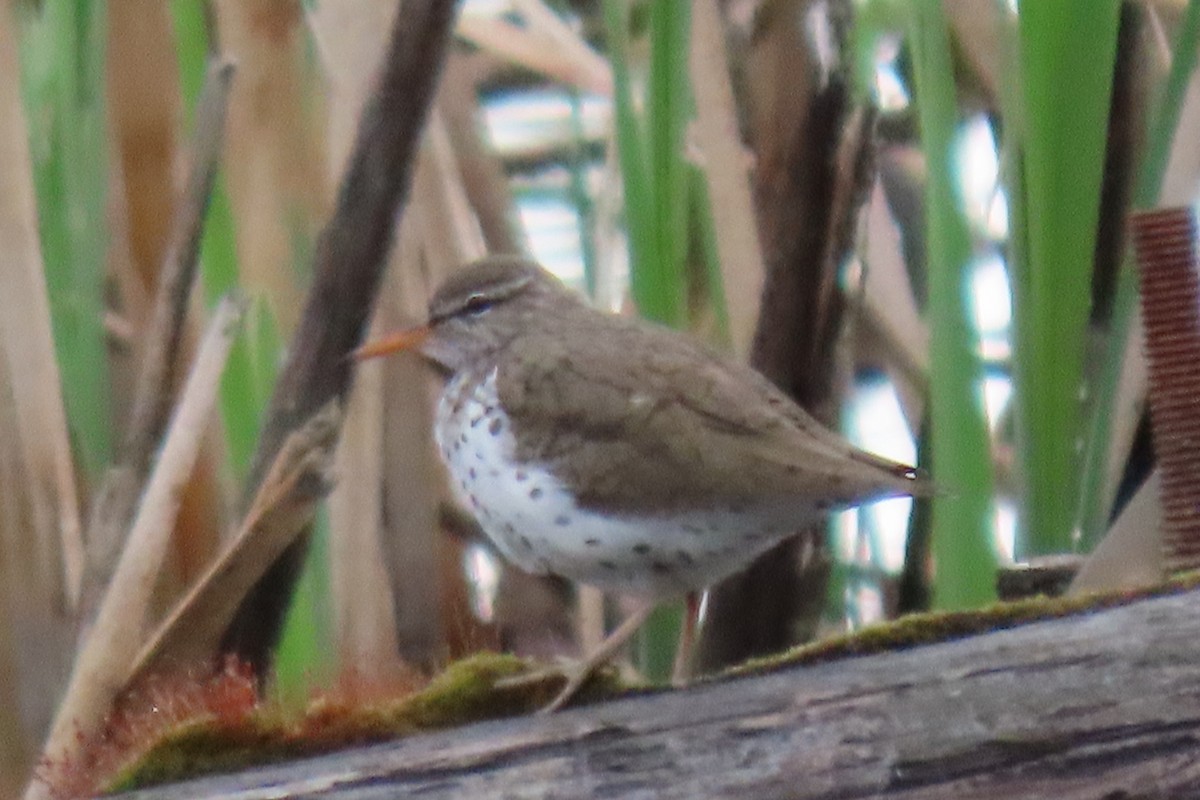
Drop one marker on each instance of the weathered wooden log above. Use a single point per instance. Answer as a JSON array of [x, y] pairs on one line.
[[1098, 705]]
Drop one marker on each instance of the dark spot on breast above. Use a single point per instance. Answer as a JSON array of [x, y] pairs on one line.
[[509, 529], [753, 537], [535, 493], [660, 567], [685, 557], [471, 473], [792, 469], [693, 529], [475, 421], [528, 545], [641, 548], [608, 565], [592, 542], [462, 437], [522, 476], [562, 520], [478, 455], [495, 426]]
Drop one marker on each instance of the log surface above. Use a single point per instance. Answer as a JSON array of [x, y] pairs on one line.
[[1101, 705]]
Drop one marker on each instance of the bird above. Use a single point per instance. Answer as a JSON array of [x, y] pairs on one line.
[[618, 453]]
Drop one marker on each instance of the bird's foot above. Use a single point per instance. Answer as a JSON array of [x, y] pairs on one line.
[[575, 673]]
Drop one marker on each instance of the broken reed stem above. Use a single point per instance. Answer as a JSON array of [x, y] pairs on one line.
[[287, 497], [1165, 243], [117, 496], [102, 668]]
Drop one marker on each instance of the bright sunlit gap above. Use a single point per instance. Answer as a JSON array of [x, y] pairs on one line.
[[984, 201], [875, 422], [537, 121], [554, 235]]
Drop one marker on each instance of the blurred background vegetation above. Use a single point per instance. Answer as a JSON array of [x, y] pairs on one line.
[[910, 215]]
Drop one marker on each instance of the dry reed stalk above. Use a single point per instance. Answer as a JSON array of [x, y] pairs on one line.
[[725, 162], [145, 108], [146, 186], [531, 48], [413, 484], [366, 581], [430, 577], [103, 666], [163, 339], [49, 476], [37, 640], [1131, 553], [483, 174], [889, 309], [451, 234], [14, 745], [546, 23], [277, 176], [350, 37], [363, 608]]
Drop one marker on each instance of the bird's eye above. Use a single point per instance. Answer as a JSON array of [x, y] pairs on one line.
[[477, 304]]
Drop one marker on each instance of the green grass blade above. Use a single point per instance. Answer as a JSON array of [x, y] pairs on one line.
[[639, 214], [962, 545], [1067, 50], [306, 658], [63, 85], [668, 105], [655, 181]]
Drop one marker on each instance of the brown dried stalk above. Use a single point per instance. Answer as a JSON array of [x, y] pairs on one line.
[[350, 257], [103, 666], [117, 496]]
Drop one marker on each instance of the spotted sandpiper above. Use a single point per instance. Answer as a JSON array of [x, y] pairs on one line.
[[617, 453]]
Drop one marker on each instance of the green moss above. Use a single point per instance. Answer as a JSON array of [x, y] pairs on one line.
[[466, 691], [922, 629]]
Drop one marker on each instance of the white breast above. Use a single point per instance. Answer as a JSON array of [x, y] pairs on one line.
[[535, 523]]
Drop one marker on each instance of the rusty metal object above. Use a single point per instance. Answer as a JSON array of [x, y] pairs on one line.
[[1165, 243]]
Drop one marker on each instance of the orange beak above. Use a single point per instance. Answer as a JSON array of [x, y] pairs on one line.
[[393, 343]]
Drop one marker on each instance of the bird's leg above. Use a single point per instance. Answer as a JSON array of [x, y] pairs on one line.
[[681, 671], [578, 673]]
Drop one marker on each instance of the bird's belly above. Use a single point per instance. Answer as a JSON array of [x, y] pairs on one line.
[[535, 523]]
